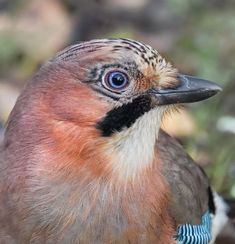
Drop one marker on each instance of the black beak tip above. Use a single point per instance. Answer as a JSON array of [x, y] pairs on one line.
[[209, 93], [211, 89], [216, 88], [197, 85]]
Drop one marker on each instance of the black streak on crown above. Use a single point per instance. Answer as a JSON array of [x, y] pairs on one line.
[[124, 116]]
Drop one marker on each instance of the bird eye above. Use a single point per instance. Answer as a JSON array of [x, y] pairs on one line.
[[116, 81]]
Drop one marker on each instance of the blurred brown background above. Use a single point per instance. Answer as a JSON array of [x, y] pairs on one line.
[[197, 36]]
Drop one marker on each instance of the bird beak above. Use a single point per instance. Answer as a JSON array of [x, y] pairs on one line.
[[189, 89]]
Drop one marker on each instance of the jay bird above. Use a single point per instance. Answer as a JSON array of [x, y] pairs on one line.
[[84, 159]]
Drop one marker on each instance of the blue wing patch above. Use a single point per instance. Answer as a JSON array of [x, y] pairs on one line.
[[195, 234]]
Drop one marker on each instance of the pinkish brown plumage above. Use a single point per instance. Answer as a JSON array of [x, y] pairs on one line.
[[83, 158]]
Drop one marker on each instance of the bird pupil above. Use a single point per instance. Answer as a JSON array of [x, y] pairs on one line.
[[118, 80]]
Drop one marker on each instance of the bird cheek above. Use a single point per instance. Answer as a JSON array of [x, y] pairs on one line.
[[78, 104]]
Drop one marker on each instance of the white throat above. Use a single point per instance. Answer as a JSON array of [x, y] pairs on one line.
[[133, 148]]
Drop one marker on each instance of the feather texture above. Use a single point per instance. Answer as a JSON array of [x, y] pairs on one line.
[[81, 163]]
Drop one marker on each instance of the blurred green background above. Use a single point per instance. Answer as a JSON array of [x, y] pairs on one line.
[[197, 36]]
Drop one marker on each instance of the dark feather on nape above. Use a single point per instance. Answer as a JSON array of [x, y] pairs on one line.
[[124, 116]]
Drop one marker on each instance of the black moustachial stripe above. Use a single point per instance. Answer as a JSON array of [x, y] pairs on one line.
[[211, 202], [124, 116]]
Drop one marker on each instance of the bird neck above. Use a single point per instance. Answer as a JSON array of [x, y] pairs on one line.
[[64, 164], [133, 148]]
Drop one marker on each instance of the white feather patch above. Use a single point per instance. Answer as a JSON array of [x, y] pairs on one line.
[[220, 218], [133, 148]]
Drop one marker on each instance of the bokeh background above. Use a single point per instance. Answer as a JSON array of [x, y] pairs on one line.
[[197, 36]]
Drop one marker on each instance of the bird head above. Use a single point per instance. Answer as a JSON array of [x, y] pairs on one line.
[[99, 104]]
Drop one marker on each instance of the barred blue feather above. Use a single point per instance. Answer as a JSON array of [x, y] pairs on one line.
[[195, 234]]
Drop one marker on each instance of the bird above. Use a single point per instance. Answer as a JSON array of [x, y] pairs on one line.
[[84, 158]]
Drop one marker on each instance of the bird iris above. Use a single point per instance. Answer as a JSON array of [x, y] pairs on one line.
[[116, 80]]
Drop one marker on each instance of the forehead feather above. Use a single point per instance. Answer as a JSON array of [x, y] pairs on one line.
[[148, 61], [116, 48]]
